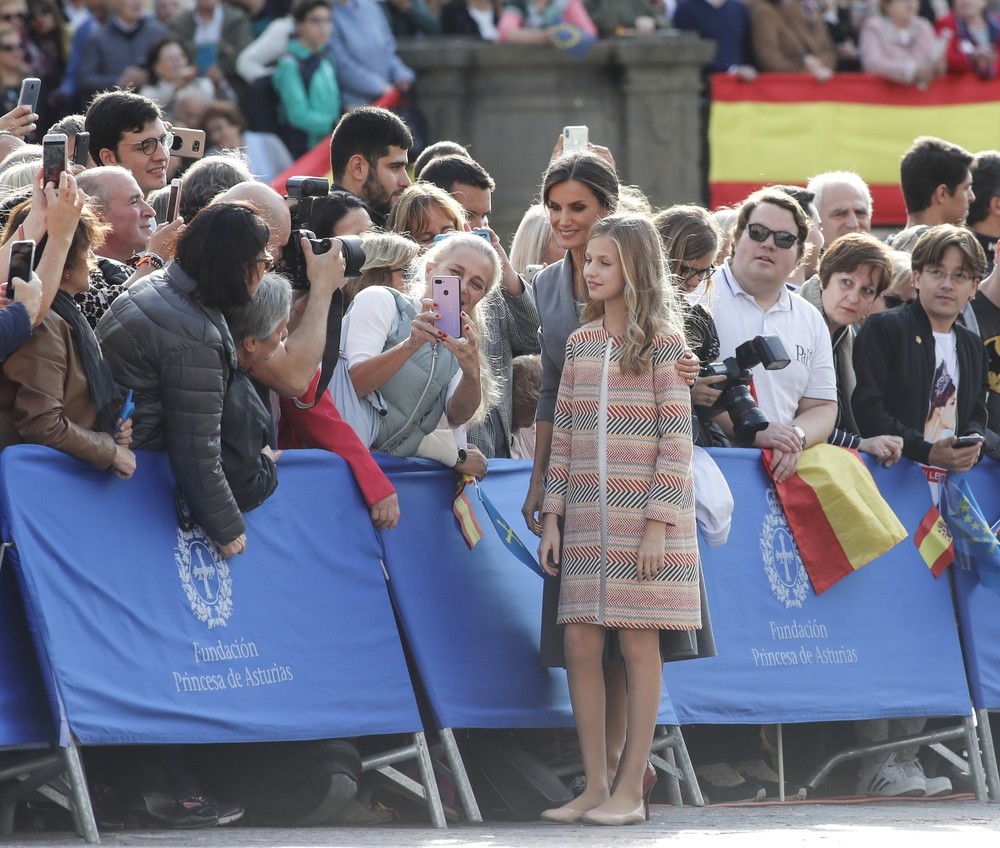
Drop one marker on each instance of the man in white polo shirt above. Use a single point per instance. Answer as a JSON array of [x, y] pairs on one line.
[[750, 299]]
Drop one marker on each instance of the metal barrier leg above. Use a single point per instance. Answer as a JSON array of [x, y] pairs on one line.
[[83, 810], [454, 757], [975, 759], [429, 781], [989, 755]]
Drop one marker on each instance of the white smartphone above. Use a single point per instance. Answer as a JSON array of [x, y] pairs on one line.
[[448, 297], [532, 271], [575, 138]]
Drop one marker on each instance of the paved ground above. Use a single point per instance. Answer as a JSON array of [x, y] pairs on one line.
[[909, 824]]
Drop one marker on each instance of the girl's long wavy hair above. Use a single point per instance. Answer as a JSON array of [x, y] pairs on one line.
[[649, 296]]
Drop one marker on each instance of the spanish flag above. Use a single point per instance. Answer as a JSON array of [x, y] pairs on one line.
[[934, 542], [786, 128], [835, 512]]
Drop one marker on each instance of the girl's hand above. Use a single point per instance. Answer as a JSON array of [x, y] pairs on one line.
[[123, 436], [651, 556], [688, 367], [466, 349], [548, 547], [124, 462]]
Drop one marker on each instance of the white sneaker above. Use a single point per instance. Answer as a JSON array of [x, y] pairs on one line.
[[933, 786], [889, 780]]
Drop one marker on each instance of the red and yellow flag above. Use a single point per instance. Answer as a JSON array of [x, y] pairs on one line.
[[934, 542], [835, 512], [786, 128]]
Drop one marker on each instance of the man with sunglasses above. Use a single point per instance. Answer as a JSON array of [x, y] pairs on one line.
[[127, 129], [750, 299]]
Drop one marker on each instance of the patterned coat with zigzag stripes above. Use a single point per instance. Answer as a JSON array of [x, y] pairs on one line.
[[606, 496]]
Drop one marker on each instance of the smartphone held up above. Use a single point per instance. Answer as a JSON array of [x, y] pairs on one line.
[[448, 297], [53, 158], [22, 262]]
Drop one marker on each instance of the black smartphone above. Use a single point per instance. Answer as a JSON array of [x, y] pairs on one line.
[[82, 150], [188, 143], [22, 261], [174, 202], [30, 89], [969, 440], [53, 157]]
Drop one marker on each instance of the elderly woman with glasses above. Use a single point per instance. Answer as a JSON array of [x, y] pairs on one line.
[[853, 272], [166, 338]]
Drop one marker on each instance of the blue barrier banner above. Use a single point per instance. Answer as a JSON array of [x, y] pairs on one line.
[[978, 606], [472, 617], [152, 638], [881, 642], [25, 716]]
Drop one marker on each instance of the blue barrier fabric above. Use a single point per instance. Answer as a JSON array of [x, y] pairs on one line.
[[472, 617], [25, 716], [979, 607], [151, 638], [881, 642]]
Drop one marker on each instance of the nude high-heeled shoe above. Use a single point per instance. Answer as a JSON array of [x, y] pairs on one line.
[[637, 816], [563, 815]]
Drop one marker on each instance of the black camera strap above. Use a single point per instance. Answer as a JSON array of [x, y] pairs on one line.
[[331, 352]]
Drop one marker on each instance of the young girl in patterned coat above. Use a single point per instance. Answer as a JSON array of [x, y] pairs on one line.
[[620, 482]]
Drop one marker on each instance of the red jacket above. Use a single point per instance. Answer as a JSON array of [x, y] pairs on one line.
[[322, 427]]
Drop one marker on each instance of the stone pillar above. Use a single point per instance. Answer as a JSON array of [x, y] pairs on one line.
[[508, 104]]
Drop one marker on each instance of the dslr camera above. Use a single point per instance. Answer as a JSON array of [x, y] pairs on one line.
[[301, 196], [736, 399]]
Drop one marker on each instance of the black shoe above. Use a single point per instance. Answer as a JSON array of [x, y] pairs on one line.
[[163, 810], [227, 812]]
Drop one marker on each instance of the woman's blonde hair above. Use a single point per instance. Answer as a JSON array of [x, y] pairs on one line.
[[649, 296], [383, 252], [531, 241], [422, 270], [409, 214]]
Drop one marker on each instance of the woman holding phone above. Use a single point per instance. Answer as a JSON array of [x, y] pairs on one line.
[[56, 389], [402, 375]]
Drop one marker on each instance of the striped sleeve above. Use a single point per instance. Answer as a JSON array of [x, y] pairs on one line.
[[557, 482], [667, 493]]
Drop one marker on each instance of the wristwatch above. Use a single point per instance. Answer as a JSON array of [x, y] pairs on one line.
[[462, 456], [802, 434]]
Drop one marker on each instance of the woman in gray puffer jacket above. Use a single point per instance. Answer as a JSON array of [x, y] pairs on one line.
[[165, 338]]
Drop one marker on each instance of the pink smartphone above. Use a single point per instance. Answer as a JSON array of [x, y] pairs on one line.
[[448, 297]]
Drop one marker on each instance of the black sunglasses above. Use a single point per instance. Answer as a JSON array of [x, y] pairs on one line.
[[782, 239]]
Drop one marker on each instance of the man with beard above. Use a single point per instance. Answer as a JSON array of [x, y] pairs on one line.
[[368, 153]]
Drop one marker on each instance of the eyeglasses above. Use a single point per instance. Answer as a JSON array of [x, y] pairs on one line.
[[267, 260], [148, 145], [686, 272], [402, 270], [13, 16], [782, 239], [12, 48], [939, 276]]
